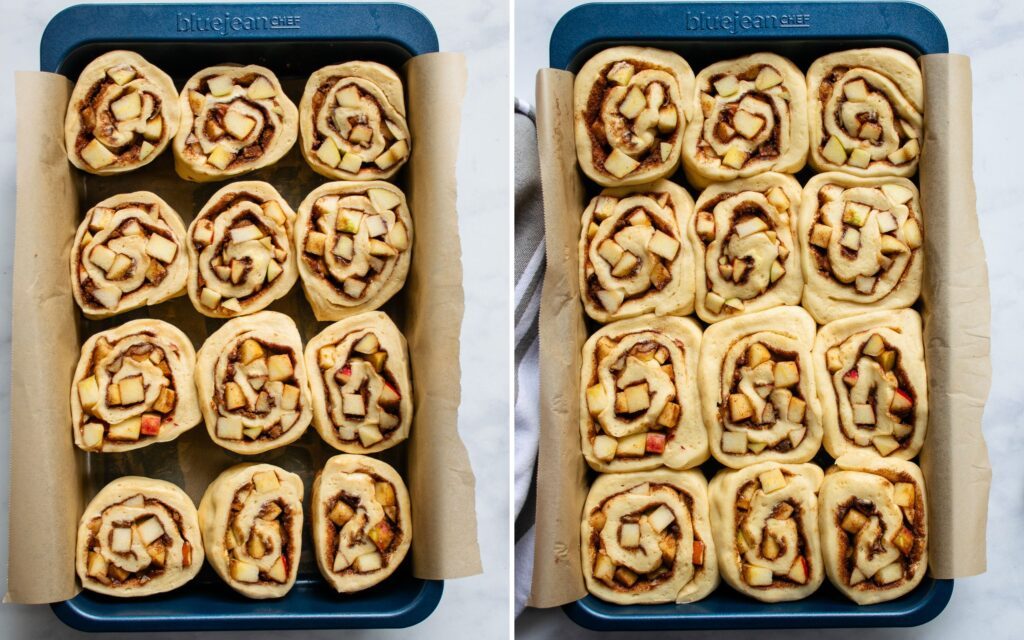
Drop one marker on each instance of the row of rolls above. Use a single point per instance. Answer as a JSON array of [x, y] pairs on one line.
[[349, 242], [771, 531], [229, 120], [140, 536], [251, 383], [639, 111]]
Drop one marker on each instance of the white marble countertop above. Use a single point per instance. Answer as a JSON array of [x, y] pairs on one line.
[[991, 32], [471, 607]]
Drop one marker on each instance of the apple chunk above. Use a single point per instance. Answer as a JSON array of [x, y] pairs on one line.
[[757, 576], [265, 481], [150, 530], [340, 513], [661, 518], [605, 447], [279, 367], [244, 571]]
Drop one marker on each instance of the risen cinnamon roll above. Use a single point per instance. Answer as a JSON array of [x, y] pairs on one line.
[[122, 114], [872, 384], [757, 388], [866, 112], [138, 537], [240, 247], [639, 407], [634, 255], [861, 244], [747, 258], [251, 518], [646, 538], [233, 120], [352, 119], [362, 525], [134, 386], [750, 117], [354, 243], [631, 105], [129, 252], [359, 379], [252, 383], [874, 527], [765, 520]]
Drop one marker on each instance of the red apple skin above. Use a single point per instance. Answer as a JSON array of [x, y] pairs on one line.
[[698, 553], [806, 569], [851, 377], [345, 373], [150, 424], [902, 402], [394, 390], [655, 442]]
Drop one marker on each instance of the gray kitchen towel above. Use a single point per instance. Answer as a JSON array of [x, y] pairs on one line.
[[529, 272]]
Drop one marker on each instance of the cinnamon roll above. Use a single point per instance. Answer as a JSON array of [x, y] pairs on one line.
[[861, 245], [757, 388], [352, 120], [874, 527], [872, 384], [639, 407], [631, 105], [234, 120], [138, 537], [646, 538], [129, 252], [122, 114], [765, 521], [251, 519], [362, 525], [750, 117], [252, 383], [747, 258], [634, 255], [354, 243], [133, 386], [866, 112], [240, 251], [359, 379]]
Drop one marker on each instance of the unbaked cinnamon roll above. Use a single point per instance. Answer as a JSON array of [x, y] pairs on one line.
[[757, 388], [746, 254], [765, 521], [861, 244], [354, 244], [362, 524], [251, 519], [359, 381], [234, 120], [634, 255], [138, 537], [750, 117], [639, 407], [872, 384], [240, 248], [631, 105], [123, 113], [352, 120], [646, 538], [866, 112], [129, 252], [252, 383], [133, 386], [874, 527]]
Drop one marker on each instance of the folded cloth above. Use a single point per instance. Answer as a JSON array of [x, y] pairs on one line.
[[529, 271]]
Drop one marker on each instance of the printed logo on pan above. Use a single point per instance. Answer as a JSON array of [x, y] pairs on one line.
[[737, 22], [228, 22]]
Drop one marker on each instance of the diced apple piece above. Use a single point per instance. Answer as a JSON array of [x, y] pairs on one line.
[[261, 89], [668, 119], [92, 435], [747, 124], [874, 345], [238, 124], [770, 549], [906, 153], [857, 577], [610, 251], [626, 576], [619, 164], [242, 571], [912, 233], [886, 222], [611, 300], [220, 86], [757, 576], [389, 396], [661, 518], [229, 428], [772, 480], [220, 157], [850, 239], [150, 530], [265, 481], [734, 158], [821, 235], [856, 213], [629, 535], [278, 572], [750, 226], [664, 245], [853, 521], [605, 447], [889, 574], [625, 265], [632, 446], [273, 270], [767, 78], [856, 91], [633, 104], [897, 194], [655, 443], [904, 494], [121, 539], [604, 568], [597, 399], [851, 377], [132, 390], [834, 151], [621, 72], [233, 396], [340, 513], [668, 546], [161, 248], [127, 107], [315, 242], [637, 398], [756, 354], [370, 435], [88, 392], [901, 402], [859, 158], [96, 155], [279, 367], [97, 567], [799, 572], [726, 85], [122, 74], [904, 541], [350, 163], [863, 414], [329, 155], [705, 226], [786, 374], [734, 442], [232, 304], [368, 563], [885, 444], [669, 417], [203, 233], [740, 408], [150, 425]]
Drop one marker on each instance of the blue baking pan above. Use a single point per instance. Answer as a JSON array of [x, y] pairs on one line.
[[293, 40], [706, 32]]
